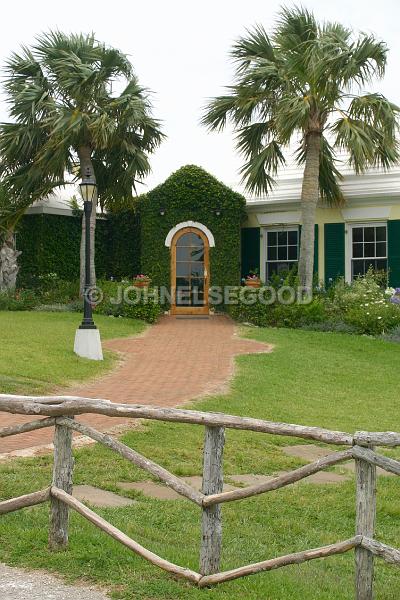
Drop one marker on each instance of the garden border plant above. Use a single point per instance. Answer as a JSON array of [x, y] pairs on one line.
[[363, 307]]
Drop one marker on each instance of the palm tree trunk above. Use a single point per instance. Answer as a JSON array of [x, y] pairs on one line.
[[85, 160], [309, 200], [8, 263]]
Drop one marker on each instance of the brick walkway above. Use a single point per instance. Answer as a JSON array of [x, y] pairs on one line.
[[175, 361]]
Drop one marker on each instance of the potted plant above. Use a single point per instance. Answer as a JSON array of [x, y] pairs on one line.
[[252, 279], [141, 281]]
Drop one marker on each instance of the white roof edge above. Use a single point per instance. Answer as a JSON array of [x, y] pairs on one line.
[[49, 210], [370, 186]]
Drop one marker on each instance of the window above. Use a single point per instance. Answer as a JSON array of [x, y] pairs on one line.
[[282, 250], [368, 248]]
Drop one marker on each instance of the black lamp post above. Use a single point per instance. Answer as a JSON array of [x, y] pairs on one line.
[[88, 191]]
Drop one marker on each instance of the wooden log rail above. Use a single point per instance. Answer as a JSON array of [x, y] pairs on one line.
[[59, 411]]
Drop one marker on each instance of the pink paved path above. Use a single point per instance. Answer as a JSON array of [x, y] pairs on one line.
[[175, 361]]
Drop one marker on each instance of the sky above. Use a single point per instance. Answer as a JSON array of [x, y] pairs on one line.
[[180, 50]]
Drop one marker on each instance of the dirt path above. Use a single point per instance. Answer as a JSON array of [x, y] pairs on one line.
[[18, 584]]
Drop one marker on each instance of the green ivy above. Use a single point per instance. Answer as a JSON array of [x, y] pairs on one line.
[[51, 244], [132, 239], [192, 194]]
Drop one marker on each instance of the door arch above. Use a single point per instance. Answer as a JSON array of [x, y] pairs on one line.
[[190, 272]]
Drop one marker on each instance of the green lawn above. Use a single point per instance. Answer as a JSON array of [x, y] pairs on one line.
[[325, 379], [36, 350]]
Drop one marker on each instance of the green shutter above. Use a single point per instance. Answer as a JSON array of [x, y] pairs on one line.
[[393, 228], [250, 250], [334, 252], [315, 246]]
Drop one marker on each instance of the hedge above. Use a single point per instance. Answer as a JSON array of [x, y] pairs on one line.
[[51, 244]]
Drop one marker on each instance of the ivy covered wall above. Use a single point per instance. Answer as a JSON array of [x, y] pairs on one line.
[[132, 240], [51, 244], [192, 194]]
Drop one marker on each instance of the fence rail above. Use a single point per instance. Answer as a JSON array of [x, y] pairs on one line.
[[59, 411]]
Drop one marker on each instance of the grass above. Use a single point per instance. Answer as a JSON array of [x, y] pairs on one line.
[[37, 355], [332, 380]]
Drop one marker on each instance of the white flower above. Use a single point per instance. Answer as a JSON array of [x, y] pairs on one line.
[[379, 318]]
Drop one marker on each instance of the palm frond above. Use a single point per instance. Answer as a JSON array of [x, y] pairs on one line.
[[296, 29], [60, 98], [355, 137], [255, 45], [252, 138], [329, 176], [218, 112], [259, 171]]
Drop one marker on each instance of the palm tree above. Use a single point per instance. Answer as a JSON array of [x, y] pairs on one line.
[[304, 84], [10, 214], [67, 120]]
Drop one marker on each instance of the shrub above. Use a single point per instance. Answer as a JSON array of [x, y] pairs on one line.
[[330, 325], [53, 290], [364, 305], [19, 300], [393, 335], [252, 309], [120, 300]]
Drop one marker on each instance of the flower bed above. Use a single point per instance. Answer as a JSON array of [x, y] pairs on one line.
[[362, 307]]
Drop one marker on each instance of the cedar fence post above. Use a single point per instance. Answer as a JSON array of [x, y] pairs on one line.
[[211, 522], [365, 524], [62, 479]]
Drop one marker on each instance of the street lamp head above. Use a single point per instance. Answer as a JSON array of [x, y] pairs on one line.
[[88, 186]]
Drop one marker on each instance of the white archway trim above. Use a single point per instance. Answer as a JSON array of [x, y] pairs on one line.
[[183, 225]]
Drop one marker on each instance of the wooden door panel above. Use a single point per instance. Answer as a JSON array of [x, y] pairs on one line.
[[190, 271]]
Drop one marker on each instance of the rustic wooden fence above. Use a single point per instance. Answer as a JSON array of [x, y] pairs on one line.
[[60, 412]]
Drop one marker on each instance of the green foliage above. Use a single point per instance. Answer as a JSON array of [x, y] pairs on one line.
[[393, 335], [52, 289], [276, 315], [51, 244], [19, 300], [361, 307], [123, 244], [192, 194], [299, 81], [364, 305], [61, 101], [120, 300]]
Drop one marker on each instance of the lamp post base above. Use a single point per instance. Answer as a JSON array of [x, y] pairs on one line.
[[88, 344]]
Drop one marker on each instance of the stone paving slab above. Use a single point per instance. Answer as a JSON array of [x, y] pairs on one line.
[[319, 478], [18, 584], [101, 498], [311, 452], [159, 491], [175, 361], [151, 489]]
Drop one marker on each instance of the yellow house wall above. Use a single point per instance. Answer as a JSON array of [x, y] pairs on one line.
[[324, 215]]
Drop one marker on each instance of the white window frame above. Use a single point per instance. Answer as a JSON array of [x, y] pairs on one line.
[[349, 243], [264, 248]]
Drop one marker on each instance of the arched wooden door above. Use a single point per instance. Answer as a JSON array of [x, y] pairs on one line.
[[190, 272]]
